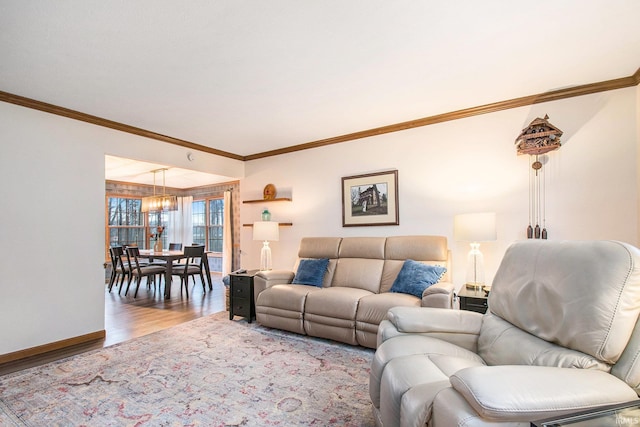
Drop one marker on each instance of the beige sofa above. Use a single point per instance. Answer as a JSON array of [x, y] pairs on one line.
[[561, 336], [354, 294]]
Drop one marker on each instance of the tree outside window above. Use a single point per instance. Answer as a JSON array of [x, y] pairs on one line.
[[208, 217], [125, 222]]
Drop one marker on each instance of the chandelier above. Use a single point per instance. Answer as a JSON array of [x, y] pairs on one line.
[[160, 202]]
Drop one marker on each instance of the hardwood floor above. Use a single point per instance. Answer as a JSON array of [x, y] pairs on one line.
[[127, 318]]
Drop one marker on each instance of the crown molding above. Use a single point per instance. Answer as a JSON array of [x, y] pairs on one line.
[[99, 121], [570, 92], [554, 95]]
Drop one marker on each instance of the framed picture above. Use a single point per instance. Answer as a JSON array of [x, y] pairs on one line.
[[370, 199]]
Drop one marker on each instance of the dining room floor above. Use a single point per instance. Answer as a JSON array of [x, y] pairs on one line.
[[127, 318]]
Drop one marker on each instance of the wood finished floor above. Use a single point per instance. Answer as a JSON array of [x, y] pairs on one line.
[[127, 318]]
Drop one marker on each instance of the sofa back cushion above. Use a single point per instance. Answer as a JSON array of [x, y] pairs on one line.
[[583, 296], [360, 263], [372, 263], [426, 249], [361, 273], [320, 247]]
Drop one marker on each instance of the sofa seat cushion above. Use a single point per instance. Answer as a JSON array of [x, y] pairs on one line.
[[338, 302], [372, 309], [282, 307], [286, 297]]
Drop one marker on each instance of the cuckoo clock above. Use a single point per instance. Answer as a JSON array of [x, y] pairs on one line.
[[538, 138]]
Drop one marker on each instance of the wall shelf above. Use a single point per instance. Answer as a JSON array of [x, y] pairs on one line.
[[278, 199], [281, 224]]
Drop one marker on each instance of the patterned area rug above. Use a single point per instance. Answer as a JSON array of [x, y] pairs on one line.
[[207, 372]]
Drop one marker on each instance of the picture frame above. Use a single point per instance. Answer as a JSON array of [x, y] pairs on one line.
[[370, 199]]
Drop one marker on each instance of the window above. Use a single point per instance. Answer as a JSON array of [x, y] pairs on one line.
[[216, 219], [159, 219], [208, 216], [125, 222], [127, 225], [198, 210]]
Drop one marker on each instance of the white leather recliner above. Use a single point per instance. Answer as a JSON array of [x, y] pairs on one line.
[[561, 335]]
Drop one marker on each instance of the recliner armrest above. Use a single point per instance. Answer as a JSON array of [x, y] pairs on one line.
[[439, 295], [266, 279], [435, 320], [528, 393], [281, 276]]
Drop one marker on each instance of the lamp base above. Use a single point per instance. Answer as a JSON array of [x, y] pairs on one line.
[[265, 257], [475, 267]]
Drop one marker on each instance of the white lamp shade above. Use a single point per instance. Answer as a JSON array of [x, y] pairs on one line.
[[475, 227], [266, 231]]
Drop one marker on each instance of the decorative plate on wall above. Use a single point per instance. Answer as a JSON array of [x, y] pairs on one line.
[[269, 192]]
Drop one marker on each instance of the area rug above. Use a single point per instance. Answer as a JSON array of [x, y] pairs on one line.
[[207, 372]]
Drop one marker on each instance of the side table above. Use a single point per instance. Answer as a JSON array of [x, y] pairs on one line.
[[473, 300], [241, 295]]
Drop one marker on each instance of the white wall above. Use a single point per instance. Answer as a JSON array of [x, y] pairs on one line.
[[52, 220], [463, 166]]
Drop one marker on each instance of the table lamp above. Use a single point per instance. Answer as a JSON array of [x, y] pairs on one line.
[[475, 228], [265, 231]]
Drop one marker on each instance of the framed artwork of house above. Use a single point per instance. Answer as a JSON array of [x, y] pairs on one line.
[[370, 199]]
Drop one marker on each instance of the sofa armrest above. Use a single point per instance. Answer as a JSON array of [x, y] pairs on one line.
[[440, 295], [528, 393], [266, 279]]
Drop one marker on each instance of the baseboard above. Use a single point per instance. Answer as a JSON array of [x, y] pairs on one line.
[[57, 345]]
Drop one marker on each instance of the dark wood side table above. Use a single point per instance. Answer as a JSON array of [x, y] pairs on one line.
[[241, 295], [473, 300]]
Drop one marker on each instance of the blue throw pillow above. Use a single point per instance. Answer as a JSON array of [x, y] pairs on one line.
[[311, 272], [415, 277]]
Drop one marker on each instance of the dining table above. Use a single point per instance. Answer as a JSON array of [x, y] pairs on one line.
[[170, 256]]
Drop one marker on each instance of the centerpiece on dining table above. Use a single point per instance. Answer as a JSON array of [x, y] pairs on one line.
[[157, 236]]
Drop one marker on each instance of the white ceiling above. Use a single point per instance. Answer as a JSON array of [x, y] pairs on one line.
[[248, 76], [128, 170]]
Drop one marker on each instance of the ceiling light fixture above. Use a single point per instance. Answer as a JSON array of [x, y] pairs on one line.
[[161, 202]]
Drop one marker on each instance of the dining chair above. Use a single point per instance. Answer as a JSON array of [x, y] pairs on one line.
[[120, 267], [114, 268], [194, 256], [139, 271], [142, 261]]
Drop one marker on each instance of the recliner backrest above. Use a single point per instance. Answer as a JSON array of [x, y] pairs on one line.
[[360, 263], [426, 249], [320, 247], [569, 303]]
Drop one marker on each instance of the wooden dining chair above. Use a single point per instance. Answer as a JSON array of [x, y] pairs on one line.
[[114, 268], [194, 256], [120, 267], [139, 271]]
